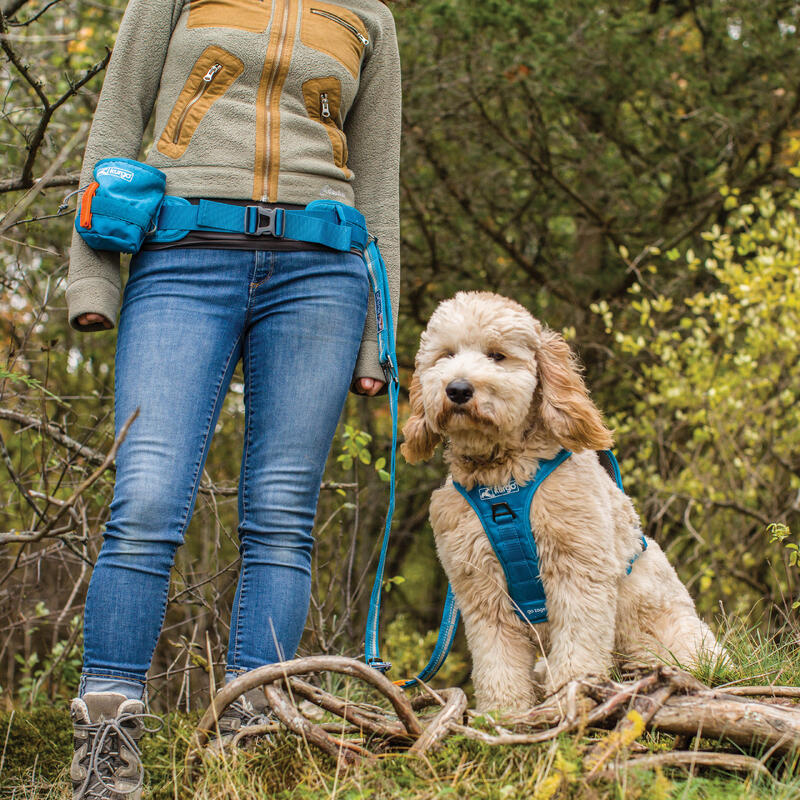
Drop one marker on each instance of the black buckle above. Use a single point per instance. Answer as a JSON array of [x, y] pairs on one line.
[[501, 511], [260, 221]]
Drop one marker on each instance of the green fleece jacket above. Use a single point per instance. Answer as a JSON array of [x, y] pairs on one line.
[[271, 100]]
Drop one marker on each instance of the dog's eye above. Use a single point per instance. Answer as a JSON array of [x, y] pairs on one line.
[[446, 354], [496, 356]]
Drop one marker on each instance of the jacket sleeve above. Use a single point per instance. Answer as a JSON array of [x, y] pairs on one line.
[[123, 110], [373, 135]]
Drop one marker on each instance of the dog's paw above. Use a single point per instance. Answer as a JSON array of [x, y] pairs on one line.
[[540, 674]]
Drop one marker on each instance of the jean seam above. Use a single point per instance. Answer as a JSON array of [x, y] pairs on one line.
[[243, 487], [270, 271]]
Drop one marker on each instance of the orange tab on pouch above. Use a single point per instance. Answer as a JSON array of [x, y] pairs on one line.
[[86, 204]]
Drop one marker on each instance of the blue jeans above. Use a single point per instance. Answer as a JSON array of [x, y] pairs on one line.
[[188, 316]]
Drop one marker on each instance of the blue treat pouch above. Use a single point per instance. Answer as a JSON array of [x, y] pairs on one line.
[[120, 206]]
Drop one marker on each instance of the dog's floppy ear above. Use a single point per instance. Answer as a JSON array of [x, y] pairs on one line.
[[566, 409], [420, 440]]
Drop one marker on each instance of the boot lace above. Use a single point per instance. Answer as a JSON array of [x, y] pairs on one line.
[[243, 709], [104, 761]]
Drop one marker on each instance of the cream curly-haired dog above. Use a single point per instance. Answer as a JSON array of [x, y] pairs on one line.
[[505, 391]]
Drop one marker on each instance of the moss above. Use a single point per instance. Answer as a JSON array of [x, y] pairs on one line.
[[38, 744], [39, 748]]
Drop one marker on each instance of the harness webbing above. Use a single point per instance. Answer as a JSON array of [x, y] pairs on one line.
[[505, 514]]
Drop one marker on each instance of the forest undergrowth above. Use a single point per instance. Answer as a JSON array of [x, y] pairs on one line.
[[36, 748]]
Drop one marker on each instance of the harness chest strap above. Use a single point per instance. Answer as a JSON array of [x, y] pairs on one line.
[[505, 516]]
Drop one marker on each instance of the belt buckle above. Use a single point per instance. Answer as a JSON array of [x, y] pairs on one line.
[[260, 221]]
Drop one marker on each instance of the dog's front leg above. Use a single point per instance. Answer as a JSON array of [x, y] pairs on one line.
[[582, 614], [503, 660]]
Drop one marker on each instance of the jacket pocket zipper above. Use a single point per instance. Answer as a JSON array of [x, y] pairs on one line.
[[324, 106], [355, 31], [207, 79]]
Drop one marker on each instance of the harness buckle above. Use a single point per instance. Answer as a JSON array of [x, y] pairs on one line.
[[260, 221], [502, 512]]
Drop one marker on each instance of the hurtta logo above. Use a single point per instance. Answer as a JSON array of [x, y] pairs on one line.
[[123, 174]]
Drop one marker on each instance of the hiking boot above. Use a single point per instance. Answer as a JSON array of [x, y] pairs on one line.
[[247, 711], [107, 764]]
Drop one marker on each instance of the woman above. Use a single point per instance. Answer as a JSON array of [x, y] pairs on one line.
[[268, 102]]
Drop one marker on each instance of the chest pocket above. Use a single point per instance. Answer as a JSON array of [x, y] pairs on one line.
[[335, 31], [323, 97], [211, 76], [241, 15]]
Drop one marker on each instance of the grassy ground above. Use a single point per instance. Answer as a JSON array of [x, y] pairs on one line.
[[37, 748]]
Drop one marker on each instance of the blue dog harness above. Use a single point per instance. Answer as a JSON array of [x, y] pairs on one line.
[[504, 514]]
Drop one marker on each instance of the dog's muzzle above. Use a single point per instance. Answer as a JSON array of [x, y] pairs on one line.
[[459, 391]]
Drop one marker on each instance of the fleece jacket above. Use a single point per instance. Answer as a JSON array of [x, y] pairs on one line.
[[283, 101]]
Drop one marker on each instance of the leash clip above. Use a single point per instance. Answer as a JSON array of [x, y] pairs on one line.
[[389, 371], [381, 666], [260, 221]]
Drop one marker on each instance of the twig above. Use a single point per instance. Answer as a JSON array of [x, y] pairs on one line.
[[287, 713], [761, 691], [454, 708], [690, 759], [11, 538], [360, 718], [627, 730], [24, 203]]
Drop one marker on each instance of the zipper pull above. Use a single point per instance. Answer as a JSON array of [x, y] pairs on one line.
[[361, 38], [65, 202], [209, 76], [325, 108]]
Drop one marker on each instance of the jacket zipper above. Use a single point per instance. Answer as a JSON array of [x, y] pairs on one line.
[[325, 109], [207, 79], [356, 32], [270, 87]]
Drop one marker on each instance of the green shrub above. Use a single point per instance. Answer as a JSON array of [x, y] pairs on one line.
[[711, 426]]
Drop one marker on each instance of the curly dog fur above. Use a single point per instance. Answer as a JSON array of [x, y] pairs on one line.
[[528, 401]]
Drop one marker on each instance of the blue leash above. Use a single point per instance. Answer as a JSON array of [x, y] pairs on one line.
[[388, 358]]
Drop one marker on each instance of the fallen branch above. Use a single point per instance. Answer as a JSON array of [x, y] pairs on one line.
[[364, 720], [761, 691], [665, 699], [342, 750], [453, 709], [690, 759]]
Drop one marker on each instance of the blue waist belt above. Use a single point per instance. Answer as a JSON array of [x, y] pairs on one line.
[[126, 204], [324, 222]]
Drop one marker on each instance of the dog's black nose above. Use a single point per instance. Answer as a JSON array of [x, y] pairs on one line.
[[459, 391]]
